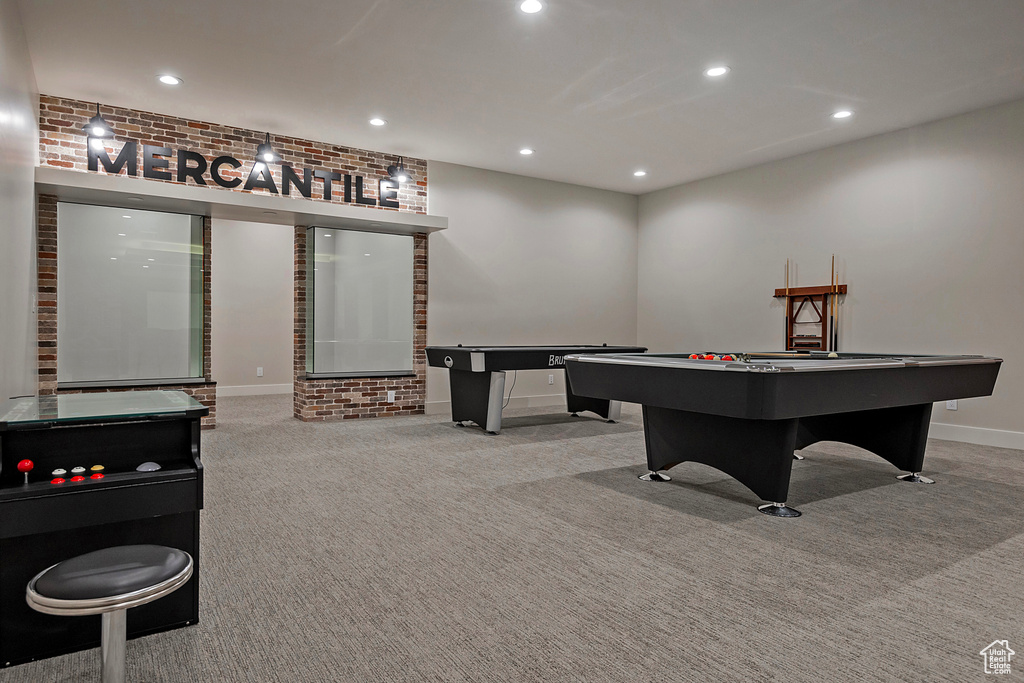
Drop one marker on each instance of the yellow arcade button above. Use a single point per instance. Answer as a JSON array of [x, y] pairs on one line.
[[96, 468]]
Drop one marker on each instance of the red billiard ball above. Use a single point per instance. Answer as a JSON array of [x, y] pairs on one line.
[[78, 477], [727, 357], [25, 466], [708, 356], [58, 480], [694, 356], [96, 476]]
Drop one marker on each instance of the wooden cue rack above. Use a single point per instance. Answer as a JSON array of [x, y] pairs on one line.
[[797, 301]]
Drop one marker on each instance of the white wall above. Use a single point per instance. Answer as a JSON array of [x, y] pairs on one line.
[[251, 307], [19, 102], [527, 261], [928, 228]]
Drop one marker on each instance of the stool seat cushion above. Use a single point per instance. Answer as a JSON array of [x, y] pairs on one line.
[[111, 571]]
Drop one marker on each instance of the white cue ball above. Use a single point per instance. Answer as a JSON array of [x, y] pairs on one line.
[[833, 355]]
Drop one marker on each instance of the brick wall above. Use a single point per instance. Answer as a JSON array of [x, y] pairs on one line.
[[46, 255], [62, 144], [346, 398], [46, 279]]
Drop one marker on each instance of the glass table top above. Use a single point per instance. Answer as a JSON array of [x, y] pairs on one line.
[[77, 407]]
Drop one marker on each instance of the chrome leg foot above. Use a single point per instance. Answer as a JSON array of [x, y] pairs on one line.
[[573, 415], [916, 478], [655, 476], [797, 456], [778, 510], [459, 424], [611, 422]]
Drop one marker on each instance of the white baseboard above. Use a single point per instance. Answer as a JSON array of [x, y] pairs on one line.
[[442, 407], [254, 389], [1000, 438]]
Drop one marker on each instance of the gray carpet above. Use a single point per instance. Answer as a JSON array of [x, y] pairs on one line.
[[406, 549]]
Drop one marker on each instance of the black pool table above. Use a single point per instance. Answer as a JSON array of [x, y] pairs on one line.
[[746, 413], [477, 378]]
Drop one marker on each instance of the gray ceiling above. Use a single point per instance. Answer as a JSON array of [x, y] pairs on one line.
[[599, 88]]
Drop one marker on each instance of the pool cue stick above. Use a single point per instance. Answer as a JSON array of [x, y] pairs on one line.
[[835, 338], [831, 308], [785, 338]]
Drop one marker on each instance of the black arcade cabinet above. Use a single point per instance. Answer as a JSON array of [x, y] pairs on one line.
[[81, 472]]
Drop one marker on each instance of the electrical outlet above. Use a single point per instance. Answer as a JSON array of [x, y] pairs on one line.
[[551, 379], [951, 405], [259, 372], [391, 397]]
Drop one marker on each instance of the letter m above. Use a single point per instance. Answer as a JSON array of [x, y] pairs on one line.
[[127, 158]]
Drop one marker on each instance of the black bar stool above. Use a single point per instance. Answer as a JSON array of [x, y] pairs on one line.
[[109, 582]]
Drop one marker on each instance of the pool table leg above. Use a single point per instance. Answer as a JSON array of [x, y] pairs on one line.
[[609, 410], [899, 435], [477, 397], [757, 453]]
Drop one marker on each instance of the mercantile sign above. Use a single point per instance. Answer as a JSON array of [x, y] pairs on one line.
[[195, 166]]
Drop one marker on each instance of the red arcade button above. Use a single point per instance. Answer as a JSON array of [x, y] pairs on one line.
[[96, 476], [58, 480], [78, 477]]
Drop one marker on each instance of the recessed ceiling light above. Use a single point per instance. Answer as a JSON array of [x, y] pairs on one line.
[[121, 234], [377, 122], [145, 266], [526, 151], [151, 259], [531, 6], [639, 173], [113, 258], [125, 216], [365, 254], [168, 79], [716, 71], [327, 234], [842, 114]]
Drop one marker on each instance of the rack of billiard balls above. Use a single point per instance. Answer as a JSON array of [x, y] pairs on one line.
[[711, 356]]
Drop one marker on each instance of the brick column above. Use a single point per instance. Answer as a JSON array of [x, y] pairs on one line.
[[46, 319], [299, 331], [355, 397]]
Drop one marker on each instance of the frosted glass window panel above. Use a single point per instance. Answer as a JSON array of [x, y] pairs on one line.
[[362, 302], [129, 294]]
